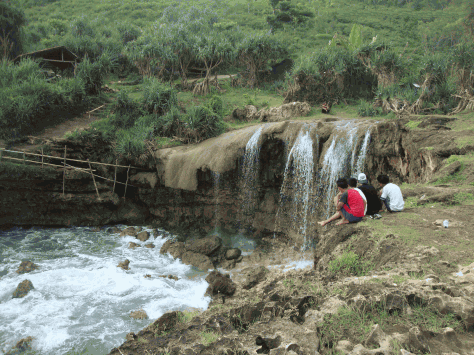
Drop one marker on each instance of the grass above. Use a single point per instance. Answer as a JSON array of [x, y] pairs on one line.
[[412, 124], [187, 316], [349, 263], [356, 324], [19, 171], [208, 337]]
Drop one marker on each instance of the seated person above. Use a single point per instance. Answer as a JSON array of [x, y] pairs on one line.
[[353, 185], [391, 195], [374, 204], [350, 207]]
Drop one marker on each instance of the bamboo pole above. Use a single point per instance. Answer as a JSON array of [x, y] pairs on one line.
[[24, 157], [115, 176], [53, 165], [93, 178], [126, 183], [1, 150], [42, 158], [80, 161], [64, 171]]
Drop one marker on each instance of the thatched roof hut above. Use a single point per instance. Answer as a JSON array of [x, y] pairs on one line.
[[56, 57]]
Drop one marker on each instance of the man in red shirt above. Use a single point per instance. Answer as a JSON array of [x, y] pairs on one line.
[[351, 205]]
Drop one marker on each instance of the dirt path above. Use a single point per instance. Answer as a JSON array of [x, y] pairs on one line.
[[49, 131]]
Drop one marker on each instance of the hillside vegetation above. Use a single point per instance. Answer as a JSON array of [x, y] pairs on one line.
[[382, 57]]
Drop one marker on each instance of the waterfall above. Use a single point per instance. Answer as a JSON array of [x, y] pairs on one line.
[[297, 184], [249, 177], [337, 161], [362, 154]]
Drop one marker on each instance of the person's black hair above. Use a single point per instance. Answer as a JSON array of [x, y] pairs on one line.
[[342, 183], [383, 179], [352, 182]]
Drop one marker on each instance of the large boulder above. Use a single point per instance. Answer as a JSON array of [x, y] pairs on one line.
[[165, 323], [143, 236], [140, 314], [200, 261], [26, 266], [206, 246], [23, 288], [248, 113], [284, 112], [176, 249], [253, 276], [220, 284], [233, 253], [129, 231]]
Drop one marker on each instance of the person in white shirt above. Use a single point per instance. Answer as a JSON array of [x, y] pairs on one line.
[[391, 195]]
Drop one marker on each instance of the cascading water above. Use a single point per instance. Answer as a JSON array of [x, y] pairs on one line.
[[81, 300], [249, 178], [297, 184], [359, 167], [337, 161]]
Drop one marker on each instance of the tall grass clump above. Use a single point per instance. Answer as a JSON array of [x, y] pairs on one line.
[[158, 98], [93, 72]]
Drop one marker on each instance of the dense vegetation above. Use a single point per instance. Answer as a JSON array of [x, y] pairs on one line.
[[401, 56]]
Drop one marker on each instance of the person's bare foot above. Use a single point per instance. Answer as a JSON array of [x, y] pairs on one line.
[[322, 223], [342, 222]]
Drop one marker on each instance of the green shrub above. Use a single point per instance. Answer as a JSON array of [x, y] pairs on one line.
[[171, 124], [202, 123], [93, 73], [158, 98], [126, 111], [216, 105], [366, 109]]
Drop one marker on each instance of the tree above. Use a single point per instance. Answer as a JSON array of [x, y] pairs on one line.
[[11, 21], [255, 50]]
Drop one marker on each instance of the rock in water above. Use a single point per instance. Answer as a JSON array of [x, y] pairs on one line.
[[205, 246], [129, 231], [143, 236], [23, 288], [132, 245], [233, 253], [124, 264], [220, 284], [26, 266], [140, 314]]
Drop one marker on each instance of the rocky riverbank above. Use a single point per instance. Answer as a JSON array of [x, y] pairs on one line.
[[366, 292]]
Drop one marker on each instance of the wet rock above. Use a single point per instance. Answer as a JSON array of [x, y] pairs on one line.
[[157, 233], [113, 230], [197, 260], [147, 276], [171, 277], [220, 284], [23, 288], [267, 344], [140, 314], [96, 229], [132, 245], [174, 248], [124, 264], [129, 231], [253, 276], [21, 346], [143, 236], [26, 266], [130, 336], [150, 245], [227, 264], [233, 253], [165, 323], [205, 246]]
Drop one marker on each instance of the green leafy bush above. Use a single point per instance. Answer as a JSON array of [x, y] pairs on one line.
[[158, 98], [366, 109], [126, 111], [216, 105]]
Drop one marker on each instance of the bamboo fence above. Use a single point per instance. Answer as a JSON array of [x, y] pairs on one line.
[[66, 166]]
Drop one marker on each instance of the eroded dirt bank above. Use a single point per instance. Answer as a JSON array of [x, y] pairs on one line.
[[374, 288]]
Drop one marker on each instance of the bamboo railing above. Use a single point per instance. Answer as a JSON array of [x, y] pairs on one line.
[[66, 166]]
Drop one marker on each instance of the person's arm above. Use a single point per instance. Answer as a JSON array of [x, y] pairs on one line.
[[339, 205], [342, 201]]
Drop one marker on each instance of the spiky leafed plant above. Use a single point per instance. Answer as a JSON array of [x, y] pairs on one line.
[[255, 50], [158, 98]]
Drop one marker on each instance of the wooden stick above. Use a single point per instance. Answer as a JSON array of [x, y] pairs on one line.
[[42, 158], [93, 178], [23, 158], [1, 150], [80, 161], [64, 171], [126, 182], [115, 176]]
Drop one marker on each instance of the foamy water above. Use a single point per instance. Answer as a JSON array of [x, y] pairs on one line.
[[81, 300]]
